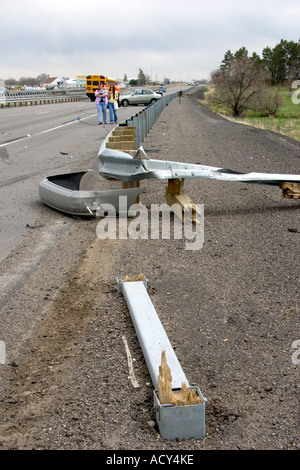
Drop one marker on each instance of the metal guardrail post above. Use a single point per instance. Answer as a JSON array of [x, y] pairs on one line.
[[174, 422], [143, 123], [151, 334], [139, 136]]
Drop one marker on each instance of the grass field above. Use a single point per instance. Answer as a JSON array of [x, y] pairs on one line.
[[287, 120]]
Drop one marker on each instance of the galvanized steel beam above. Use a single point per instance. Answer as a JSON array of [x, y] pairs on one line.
[[174, 422], [121, 166], [151, 334], [62, 192]]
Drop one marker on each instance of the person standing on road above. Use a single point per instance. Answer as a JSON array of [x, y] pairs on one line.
[[101, 103], [112, 104]]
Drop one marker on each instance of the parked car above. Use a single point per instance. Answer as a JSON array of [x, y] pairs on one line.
[[139, 96]]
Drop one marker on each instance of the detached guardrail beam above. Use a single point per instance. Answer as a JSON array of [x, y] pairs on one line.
[[150, 332], [182, 415]]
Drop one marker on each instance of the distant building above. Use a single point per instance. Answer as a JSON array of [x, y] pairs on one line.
[[53, 82]]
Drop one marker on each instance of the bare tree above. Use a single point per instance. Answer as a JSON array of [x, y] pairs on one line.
[[40, 79], [268, 100], [10, 81], [238, 84]]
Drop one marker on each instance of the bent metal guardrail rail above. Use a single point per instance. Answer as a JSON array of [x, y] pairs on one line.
[[121, 157], [125, 160], [62, 192]]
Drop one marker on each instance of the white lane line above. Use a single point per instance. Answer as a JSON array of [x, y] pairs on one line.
[[47, 130]]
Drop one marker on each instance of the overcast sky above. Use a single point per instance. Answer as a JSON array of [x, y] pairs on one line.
[[165, 38]]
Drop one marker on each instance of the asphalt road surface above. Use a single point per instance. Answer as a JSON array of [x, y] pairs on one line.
[[39, 141]]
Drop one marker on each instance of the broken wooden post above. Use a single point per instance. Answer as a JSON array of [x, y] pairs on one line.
[[290, 190], [183, 205], [166, 395]]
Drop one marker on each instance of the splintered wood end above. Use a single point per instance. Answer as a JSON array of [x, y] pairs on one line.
[[182, 397]]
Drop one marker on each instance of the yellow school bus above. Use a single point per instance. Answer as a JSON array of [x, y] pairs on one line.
[[93, 81]]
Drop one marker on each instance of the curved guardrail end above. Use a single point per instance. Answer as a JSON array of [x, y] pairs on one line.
[[62, 193]]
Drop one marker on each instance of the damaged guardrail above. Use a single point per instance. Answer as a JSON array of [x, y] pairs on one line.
[[180, 408], [134, 168], [124, 167], [62, 193]]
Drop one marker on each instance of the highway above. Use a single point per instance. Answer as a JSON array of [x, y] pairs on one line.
[[36, 142]]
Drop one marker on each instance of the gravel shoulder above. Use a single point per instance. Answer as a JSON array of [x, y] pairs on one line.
[[230, 309]]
